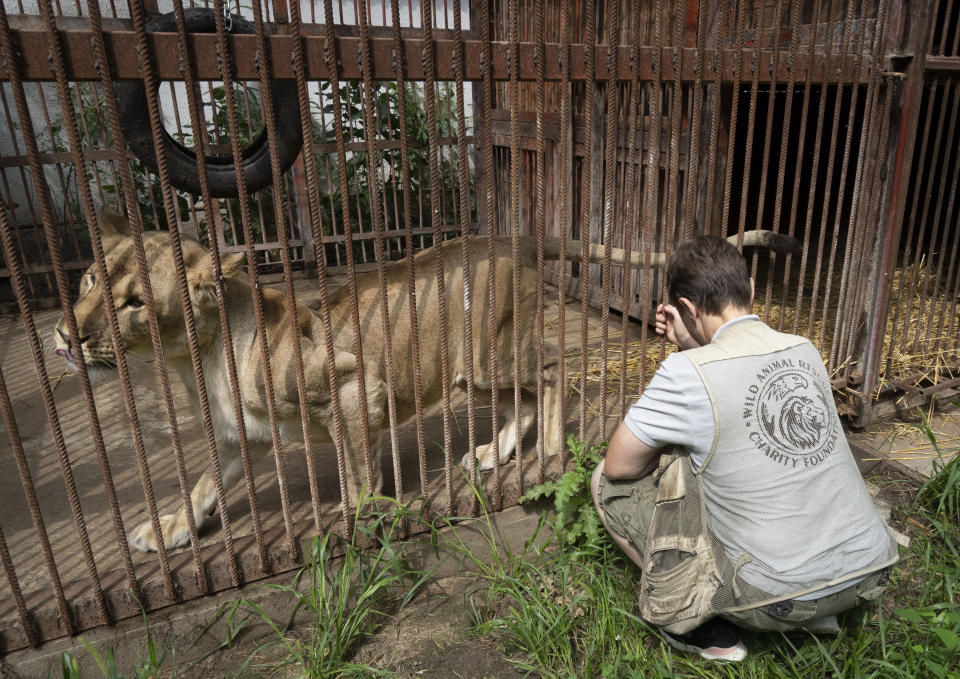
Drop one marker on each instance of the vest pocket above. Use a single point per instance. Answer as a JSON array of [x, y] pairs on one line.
[[678, 582], [680, 574]]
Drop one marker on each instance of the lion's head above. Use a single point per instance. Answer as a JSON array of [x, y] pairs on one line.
[[93, 328], [802, 422]]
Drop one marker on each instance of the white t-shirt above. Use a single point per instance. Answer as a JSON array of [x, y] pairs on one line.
[[675, 409]]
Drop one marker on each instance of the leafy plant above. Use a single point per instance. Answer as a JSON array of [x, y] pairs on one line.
[[933, 639], [576, 522], [387, 118]]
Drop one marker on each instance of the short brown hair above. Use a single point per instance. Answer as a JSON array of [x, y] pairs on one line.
[[711, 273]]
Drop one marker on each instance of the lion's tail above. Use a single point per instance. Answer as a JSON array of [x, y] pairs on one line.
[[762, 238]]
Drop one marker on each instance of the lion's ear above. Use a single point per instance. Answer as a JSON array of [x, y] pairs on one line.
[[231, 264], [113, 224]]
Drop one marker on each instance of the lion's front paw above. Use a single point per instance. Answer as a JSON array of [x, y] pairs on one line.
[[485, 458], [175, 534]]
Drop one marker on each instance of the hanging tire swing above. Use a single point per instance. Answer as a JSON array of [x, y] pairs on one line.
[[222, 178]]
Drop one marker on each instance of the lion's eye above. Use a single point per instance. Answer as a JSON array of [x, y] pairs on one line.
[[133, 303]]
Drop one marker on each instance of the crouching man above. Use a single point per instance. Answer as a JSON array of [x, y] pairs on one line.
[[730, 482]]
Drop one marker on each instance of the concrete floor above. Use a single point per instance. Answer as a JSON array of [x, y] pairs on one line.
[[35, 434], [906, 444]]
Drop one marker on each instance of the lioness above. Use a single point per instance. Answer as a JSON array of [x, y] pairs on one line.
[[97, 349]]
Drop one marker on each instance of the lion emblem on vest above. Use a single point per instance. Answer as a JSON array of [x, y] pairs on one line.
[[793, 417]]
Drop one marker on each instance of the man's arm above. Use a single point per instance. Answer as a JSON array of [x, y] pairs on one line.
[[628, 457]]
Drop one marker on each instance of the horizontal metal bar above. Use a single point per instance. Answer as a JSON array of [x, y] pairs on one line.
[[942, 64], [59, 158], [35, 46], [47, 268], [67, 156]]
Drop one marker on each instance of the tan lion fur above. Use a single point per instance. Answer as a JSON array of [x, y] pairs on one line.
[[97, 347]]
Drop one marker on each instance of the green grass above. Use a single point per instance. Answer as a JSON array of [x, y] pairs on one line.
[[566, 608], [563, 605], [352, 587]]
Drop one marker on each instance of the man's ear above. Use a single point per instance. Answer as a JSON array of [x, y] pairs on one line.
[[689, 307], [752, 291]]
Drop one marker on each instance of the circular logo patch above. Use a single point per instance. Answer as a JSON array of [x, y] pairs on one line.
[[789, 415]]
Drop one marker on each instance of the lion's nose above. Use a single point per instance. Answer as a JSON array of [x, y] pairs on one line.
[[66, 338]]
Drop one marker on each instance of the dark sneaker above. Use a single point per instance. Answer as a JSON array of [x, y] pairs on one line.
[[715, 639]]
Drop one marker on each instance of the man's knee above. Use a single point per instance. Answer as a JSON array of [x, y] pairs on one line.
[[595, 486]]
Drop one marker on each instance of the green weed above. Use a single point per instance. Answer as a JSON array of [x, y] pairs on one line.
[[346, 591], [565, 608], [145, 668], [577, 522]]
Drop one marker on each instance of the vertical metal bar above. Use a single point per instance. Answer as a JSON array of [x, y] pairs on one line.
[[765, 163], [825, 210], [12, 260], [429, 95], [939, 151], [849, 337], [898, 162], [86, 199], [375, 182], [156, 125], [751, 122], [316, 222], [486, 95], [332, 61], [609, 196], [734, 113], [948, 169], [692, 169], [855, 232], [717, 66], [904, 302], [256, 292], [401, 72], [540, 211], [25, 622], [651, 185], [586, 165], [33, 504], [798, 166], [936, 338], [676, 110], [12, 66], [466, 247], [291, 301], [201, 142], [513, 55], [634, 170], [126, 185], [817, 151]]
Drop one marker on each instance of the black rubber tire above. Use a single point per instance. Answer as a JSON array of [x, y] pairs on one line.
[[182, 161]]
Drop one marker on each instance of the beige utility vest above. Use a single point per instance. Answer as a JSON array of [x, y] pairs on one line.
[[778, 509]]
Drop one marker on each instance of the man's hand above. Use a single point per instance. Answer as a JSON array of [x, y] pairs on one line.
[[670, 323]]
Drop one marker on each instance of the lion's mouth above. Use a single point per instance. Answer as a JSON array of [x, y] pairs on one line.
[[68, 357]]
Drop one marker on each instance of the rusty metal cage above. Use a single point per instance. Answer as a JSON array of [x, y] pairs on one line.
[[579, 142]]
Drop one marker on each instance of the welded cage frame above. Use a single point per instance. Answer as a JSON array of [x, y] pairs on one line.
[[641, 143]]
